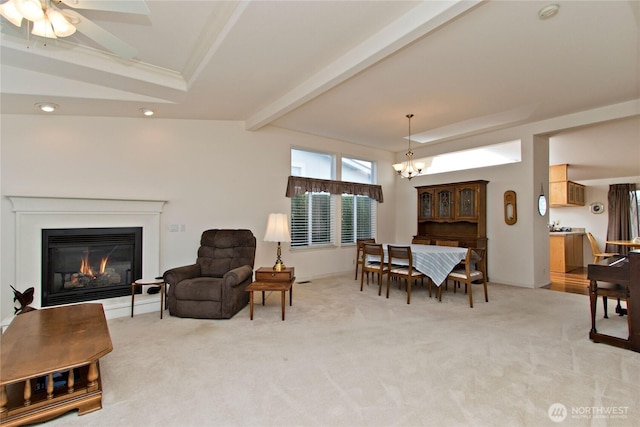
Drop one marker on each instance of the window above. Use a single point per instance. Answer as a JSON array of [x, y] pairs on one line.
[[312, 214], [358, 212]]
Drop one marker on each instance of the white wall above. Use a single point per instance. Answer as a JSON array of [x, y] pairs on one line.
[[213, 175]]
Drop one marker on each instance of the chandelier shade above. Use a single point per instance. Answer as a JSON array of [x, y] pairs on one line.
[[408, 169]]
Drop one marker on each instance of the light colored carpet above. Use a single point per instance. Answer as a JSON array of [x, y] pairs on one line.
[[350, 358]]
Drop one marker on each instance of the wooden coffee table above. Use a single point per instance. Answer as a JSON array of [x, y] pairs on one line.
[[65, 340]]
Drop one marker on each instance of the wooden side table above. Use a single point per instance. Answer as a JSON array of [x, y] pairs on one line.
[[144, 282], [268, 279]]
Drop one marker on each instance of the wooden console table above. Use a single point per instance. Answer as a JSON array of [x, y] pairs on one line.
[[65, 340]]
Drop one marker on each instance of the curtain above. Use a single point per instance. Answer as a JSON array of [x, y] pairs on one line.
[[619, 226], [298, 185]]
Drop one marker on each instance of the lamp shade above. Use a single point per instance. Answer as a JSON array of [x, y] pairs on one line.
[[277, 228]]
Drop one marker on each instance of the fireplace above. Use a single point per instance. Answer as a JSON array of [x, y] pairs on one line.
[[84, 264]]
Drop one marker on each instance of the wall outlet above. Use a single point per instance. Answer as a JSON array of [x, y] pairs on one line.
[[174, 228]]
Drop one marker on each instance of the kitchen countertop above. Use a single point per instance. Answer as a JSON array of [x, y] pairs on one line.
[[564, 233]]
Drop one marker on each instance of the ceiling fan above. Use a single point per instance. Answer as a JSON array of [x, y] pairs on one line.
[[49, 18]]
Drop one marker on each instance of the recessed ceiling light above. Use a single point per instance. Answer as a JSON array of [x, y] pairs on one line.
[[147, 112], [548, 11], [47, 107]]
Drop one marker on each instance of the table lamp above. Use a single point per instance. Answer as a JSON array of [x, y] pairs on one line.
[[278, 231]]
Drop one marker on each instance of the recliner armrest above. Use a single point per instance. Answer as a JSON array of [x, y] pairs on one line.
[[237, 275], [178, 274]]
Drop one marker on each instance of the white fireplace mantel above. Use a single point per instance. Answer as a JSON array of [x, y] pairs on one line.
[[74, 205], [33, 214]]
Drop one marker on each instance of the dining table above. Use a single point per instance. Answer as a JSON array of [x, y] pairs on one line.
[[436, 262], [634, 244]]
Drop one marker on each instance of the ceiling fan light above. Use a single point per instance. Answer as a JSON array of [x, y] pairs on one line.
[[30, 9], [43, 28], [9, 11], [61, 27]]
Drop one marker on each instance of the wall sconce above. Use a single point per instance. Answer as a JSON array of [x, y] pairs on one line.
[[510, 207]]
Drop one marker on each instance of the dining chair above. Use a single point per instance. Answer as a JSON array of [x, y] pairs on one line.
[[597, 253], [447, 243], [373, 262], [359, 250], [400, 265], [474, 270]]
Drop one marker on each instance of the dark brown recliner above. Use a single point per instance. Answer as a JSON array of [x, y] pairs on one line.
[[214, 287]]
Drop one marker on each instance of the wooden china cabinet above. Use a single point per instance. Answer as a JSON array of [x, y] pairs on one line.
[[456, 211]]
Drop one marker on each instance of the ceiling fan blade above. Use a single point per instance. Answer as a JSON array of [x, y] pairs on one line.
[[101, 36], [130, 6]]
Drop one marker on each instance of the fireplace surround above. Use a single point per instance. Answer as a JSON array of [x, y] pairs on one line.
[[34, 214]]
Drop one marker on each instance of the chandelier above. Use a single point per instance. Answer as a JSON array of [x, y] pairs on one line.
[[408, 169], [48, 20]]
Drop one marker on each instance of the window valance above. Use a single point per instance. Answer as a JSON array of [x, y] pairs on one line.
[[298, 185]]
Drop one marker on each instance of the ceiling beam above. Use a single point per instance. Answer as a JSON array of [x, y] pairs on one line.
[[419, 21]]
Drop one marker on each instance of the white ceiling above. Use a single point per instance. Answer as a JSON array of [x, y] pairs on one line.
[[349, 70]]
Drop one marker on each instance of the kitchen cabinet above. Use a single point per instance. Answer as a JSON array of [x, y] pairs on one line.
[[563, 192], [565, 251], [455, 211], [566, 193]]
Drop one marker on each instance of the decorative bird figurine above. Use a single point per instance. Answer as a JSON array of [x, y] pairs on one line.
[[24, 298]]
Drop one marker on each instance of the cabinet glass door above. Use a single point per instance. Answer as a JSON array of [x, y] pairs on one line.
[[445, 204], [466, 207], [425, 207]]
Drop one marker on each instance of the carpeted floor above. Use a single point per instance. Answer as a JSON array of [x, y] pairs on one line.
[[350, 358]]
